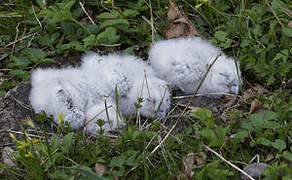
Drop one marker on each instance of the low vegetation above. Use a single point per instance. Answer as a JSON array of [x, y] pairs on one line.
[[258, 34]]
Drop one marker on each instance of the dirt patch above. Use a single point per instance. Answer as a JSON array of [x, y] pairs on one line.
[[14, 109]]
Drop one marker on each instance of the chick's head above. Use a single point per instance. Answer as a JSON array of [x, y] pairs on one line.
[[224, 76]]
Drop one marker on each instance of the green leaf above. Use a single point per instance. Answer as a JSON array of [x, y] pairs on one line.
[[287, 31], [20, 62], [269, 116], [87, 172], [221, 35], [69, 46], [205, 115], [109, 15], [287, 155], [67, 142], [24, 75], [34, 53], [119, 23], [257, 30], [226, 44], [130, 13], [279, 144], [48, 40], [58, 12], [245, 43], [117, 162], [264, 141], [213, 171], [109, 36], [240, 135], [257, 121], [221, 133], [89, 40]]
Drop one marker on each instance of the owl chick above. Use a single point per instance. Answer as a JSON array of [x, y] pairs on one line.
[[88, 93], [183, 62]]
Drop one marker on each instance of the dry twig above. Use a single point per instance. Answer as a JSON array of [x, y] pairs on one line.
[[84, 10], [268, 4], [232, 165]]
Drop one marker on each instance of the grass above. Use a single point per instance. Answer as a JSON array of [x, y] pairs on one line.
[[256, 33]]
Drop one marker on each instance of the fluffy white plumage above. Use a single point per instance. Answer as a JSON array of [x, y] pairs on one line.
[[183, 62], [80, 93]]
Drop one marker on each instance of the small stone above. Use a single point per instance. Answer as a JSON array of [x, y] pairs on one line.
[[254, 170]]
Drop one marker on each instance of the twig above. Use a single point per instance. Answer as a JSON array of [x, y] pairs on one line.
[[84, 10], [223, 159], [9, 16], [18, 40], [110, 45], [16, 36], [89, 120], [44, 4], [34, 13], [27, 134], [274, 13], [101, 3], [149, 22], [151, 19], [29, 43], [208, 94], [189, 103], [22, 104]]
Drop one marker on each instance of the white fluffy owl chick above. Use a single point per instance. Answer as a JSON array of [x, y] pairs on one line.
[[80, 93], [134, 79], [182, 62], [69, 91]]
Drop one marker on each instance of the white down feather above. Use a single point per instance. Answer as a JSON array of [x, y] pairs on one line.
[[182, 62], [80, 93]]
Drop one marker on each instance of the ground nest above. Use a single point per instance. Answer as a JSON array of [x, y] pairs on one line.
[[15, 107]]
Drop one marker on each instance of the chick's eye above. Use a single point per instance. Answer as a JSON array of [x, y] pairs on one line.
[[224, 75]]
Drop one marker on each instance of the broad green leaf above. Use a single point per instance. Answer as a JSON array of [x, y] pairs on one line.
[[48, 40], [122, 23], [221, 133], [287, 31], [221, 35], [109, 15], [279, 144], [257, 121], [240, 135], [205, 115], [89, 40], [271, 125], [117, 162], [287, 155], [34, 53], [269, 116], [130, 13], [87, 172], [226, 44], [68, 46], [58, 12], [257, 30], [21, 62], [264, 141], [109, 36], [210, 136], [67, 142], [24, 75]]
